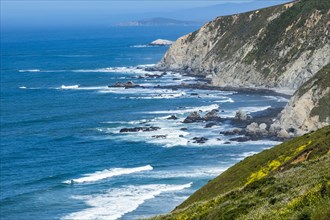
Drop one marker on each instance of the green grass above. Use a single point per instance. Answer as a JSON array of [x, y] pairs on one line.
[[296, 185], [276, 36]]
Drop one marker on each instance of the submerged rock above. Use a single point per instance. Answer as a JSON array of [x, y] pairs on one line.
[[236, 131], [240, 139], [172, 117], [210, 125]]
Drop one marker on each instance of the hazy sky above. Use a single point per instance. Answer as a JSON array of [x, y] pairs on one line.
[[88, 13]]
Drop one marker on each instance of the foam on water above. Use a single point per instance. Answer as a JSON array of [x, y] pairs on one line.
[[277, 98], [140, 70], [226, 100], [200, 172], [141, 46], [29, 71], [115, 203], [187, 110], [108, 173], [255, 109], [69, 87]]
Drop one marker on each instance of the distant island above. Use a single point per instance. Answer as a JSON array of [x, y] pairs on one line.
[[158, 22]]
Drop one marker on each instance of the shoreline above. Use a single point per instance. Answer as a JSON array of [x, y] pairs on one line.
[[282, 91], [286, 93]]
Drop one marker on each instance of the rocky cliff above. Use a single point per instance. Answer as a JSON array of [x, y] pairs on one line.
[[280, 46], [308, 109]]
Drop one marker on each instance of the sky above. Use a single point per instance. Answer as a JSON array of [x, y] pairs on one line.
[[88, 13]]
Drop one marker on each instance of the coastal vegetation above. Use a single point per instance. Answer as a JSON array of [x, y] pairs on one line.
[[288, 181]]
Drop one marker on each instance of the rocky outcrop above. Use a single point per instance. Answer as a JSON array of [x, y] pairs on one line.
[[212, 115], [193, 117], [241, 115], [280, 46], [308, 109], [209, 116]]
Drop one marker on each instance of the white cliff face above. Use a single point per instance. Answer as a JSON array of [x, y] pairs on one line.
[[309, 108], [297, 114], [235, 51]]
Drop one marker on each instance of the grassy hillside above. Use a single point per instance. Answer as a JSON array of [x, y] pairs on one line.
[[288, 181]]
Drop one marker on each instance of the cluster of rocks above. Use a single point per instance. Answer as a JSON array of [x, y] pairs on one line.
[[128, 84], [139, 129], [255, 131], [196, 117], [199, 140], [151, 76]]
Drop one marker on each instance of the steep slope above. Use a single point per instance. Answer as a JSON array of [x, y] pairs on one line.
[[288, 181], [309, 108], [281, 46]]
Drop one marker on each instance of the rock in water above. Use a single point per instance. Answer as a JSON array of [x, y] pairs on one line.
[[130, 84], [212, 115], [210, 125], [161, 42], [242, 115], [172, 117], [200, 140], [138, 129], [193, 117]]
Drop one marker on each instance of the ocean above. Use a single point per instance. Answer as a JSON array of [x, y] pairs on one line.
[[62, 153]]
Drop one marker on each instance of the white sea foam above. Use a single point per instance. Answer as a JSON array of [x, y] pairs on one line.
[[189, 173], [30, 70], [160, 96], [226, 100], [141, 46], [187, 110], [277, 98], [255, 109], [69, 87], [108, 173], [115, 203], [130, 70], [141, 93], [22, 87]]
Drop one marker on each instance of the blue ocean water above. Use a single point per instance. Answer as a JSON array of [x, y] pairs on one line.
[[62, 155]]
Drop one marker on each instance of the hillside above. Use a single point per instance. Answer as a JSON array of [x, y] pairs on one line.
[[280, 46], [288, 181]]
